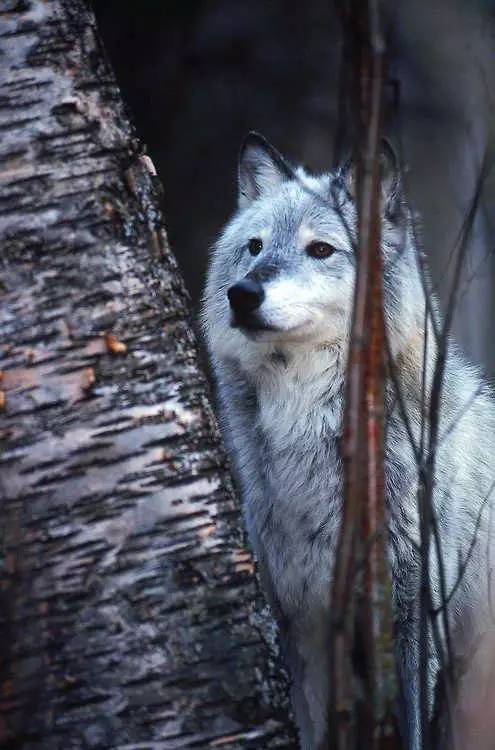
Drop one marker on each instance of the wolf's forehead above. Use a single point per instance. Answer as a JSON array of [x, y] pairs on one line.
[[301, 219]]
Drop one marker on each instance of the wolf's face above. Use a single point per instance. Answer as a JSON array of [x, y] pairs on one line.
[[294, 269], [282, 274]]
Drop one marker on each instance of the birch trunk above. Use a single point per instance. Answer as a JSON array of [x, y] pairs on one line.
[[130, 616]]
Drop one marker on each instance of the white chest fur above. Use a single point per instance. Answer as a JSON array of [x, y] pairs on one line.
[[298, 420]]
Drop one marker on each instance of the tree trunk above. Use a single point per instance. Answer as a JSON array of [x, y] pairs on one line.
[[130, 616]]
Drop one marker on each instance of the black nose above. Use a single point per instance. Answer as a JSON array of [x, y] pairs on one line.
[[245, 296]]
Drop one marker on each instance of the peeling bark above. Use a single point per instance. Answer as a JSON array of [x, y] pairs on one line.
[[130, 616]]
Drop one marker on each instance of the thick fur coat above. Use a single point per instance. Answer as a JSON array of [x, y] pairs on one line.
[[278, 345]]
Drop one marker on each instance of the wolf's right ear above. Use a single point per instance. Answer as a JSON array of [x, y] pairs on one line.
[[389, 177], [261, 169]]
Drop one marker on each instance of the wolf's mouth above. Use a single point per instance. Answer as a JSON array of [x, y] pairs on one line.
[[250, 322], [255, 329]]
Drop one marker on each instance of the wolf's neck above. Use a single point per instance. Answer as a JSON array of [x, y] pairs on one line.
[[304, 386], [301, 388]]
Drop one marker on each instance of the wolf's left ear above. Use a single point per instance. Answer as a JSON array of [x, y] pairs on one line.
[[390, 180], [261, 169]]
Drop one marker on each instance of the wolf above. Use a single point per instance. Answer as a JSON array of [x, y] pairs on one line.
[[277, 314]]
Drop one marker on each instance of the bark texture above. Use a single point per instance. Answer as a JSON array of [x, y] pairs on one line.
[[129, 610]]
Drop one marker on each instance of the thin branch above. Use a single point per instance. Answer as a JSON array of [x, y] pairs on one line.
[[364, 620]]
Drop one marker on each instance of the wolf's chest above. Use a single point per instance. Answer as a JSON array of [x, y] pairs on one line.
[[298, 426], [302, 472], [302, 479]]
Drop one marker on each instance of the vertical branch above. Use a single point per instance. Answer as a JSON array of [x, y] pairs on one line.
[[362, 704]]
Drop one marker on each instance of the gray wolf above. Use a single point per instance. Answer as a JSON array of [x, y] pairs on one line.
[[276, 316]]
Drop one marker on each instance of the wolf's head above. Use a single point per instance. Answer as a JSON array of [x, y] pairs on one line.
[[282, 273]]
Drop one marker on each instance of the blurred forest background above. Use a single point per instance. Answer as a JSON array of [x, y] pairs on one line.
[[199, 74]]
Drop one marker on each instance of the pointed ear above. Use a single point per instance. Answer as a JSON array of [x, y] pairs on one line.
[[261, 169], [390, 180]]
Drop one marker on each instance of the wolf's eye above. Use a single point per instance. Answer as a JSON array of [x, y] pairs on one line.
[[254, 246], [320, 249]]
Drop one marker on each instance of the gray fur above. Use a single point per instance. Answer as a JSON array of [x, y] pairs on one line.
[[281, 397]]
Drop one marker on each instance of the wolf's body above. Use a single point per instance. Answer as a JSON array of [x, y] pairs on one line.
[[280, 373]]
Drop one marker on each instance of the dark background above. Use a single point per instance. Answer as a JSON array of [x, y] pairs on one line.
[[198, 75]]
